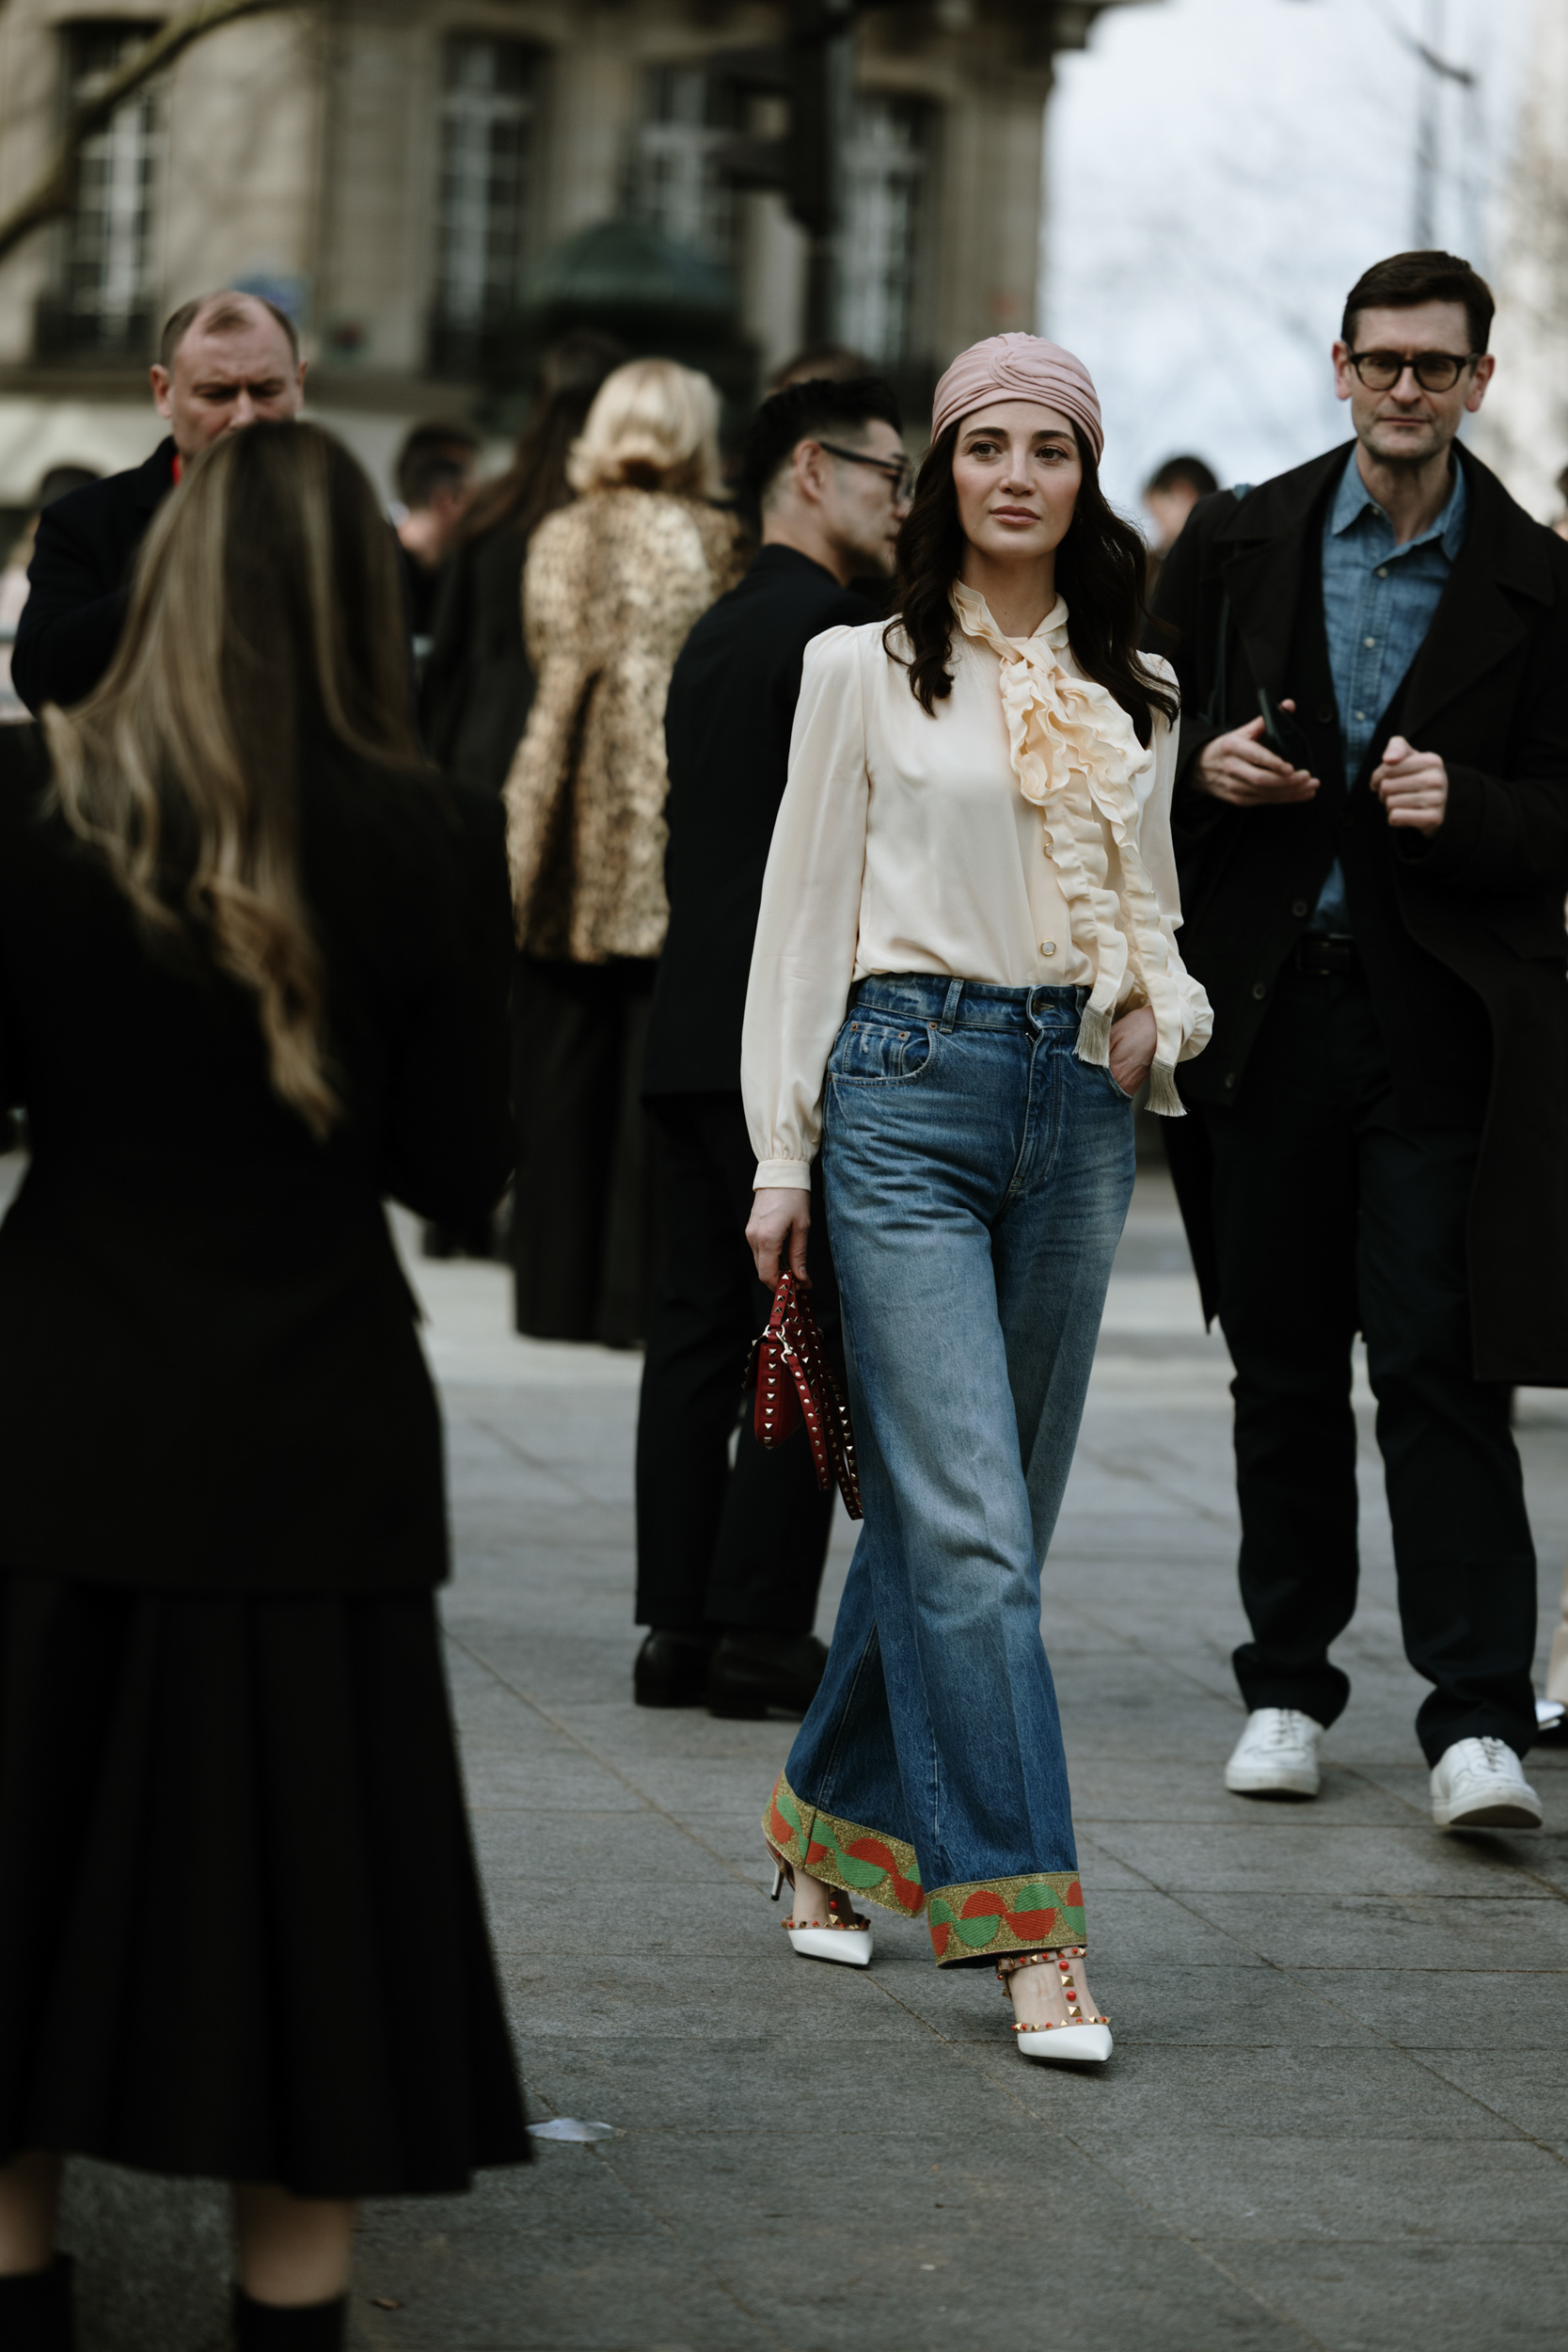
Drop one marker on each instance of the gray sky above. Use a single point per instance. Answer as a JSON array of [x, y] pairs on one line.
[[1220, 173]]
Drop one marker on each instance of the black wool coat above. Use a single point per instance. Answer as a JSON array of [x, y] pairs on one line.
[[209, 1376], [83, 558], [1461, 935], [727, 725]]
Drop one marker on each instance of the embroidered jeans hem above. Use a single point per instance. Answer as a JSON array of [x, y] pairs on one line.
[[982, 1921], [971, 1925], [843, 1853]]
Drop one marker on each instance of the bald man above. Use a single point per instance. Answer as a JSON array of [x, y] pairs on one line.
[[225, 360]]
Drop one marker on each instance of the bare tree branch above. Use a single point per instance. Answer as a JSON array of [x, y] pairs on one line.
[[54, 191]]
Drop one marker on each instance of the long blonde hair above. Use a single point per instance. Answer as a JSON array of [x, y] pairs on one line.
[[654, 426], [265, 614]]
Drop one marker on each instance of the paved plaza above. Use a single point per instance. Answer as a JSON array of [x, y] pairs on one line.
[[1332, 2118]]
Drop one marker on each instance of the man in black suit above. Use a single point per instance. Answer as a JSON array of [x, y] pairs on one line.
[[730, 1560], [224, 362], [1379, 1137]]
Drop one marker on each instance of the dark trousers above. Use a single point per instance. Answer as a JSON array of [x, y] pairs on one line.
[[1331, 1215], [585, 1235], [719, 1545]]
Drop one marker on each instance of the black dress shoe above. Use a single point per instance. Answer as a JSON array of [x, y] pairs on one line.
[[290, 2327], [753, 1670], [35, 2308], [672, 1669]]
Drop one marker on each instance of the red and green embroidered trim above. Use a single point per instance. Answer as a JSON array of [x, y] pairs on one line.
[[842, 1854], [1045, 1908]]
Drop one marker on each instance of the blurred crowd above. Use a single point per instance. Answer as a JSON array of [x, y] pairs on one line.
[[495, 605]]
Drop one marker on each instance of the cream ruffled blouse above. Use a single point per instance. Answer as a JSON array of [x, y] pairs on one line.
[[1020, 836]]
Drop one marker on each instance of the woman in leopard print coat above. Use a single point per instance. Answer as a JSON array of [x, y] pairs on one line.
[[611, 587]]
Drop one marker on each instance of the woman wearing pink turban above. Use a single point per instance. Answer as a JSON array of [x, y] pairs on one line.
[[965, 968]]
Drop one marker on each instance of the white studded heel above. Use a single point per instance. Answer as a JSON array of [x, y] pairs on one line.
[[845, 1935], [1081, 2040]]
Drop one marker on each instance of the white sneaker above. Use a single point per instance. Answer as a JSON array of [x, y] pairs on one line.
[[1276, 1755], [1477, 1784]]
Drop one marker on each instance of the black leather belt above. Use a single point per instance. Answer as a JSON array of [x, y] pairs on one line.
[[1327, 955]]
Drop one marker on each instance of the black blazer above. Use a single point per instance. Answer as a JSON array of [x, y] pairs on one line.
[[83, 558], [1461, 935], [209, 1376], [727, 725]]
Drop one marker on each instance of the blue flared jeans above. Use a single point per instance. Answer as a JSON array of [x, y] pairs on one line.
[[977, 1175]]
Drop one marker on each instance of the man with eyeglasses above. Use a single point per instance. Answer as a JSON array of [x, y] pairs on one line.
[[1372, 823], [730, 1554]]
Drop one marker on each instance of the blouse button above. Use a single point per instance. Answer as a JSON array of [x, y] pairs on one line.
[[1048, 947]]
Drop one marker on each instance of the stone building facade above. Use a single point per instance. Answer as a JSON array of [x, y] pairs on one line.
[[1523, 429], [389, 170]]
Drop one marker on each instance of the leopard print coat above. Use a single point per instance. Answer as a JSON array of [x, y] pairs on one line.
[[611, 589]]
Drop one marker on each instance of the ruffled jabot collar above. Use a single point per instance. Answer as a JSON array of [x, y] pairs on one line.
[[1076, 753]]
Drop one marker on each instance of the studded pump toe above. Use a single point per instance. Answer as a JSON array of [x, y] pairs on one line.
[[1078, 2040]]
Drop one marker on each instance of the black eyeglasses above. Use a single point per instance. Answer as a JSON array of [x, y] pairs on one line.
[[899, 469], [1433, 371]]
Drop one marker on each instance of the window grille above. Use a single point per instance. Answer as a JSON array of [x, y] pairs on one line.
[[105, 290], [887, 169], [489, 108], [679, 184]]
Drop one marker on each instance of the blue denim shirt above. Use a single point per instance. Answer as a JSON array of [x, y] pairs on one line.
[[1378, 604]]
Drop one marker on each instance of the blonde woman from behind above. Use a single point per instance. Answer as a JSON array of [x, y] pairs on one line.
[[612, 588]]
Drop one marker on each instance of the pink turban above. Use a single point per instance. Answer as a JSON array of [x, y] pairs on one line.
[[1019, 367]]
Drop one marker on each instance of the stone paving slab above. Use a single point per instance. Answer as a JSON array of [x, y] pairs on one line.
[[1334, 2118]]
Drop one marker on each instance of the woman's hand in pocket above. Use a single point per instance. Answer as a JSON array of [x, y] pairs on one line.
[[780, 1221], [1133, 1041]]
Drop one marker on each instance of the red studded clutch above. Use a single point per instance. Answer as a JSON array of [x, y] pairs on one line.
[[795, 1383]]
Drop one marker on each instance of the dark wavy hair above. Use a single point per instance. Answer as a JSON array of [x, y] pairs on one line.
[[1101, 570]]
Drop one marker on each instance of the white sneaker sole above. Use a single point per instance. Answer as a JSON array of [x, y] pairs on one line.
[[1264, 1780], [850, 1946], [1066, 2045], [1499, 1813]]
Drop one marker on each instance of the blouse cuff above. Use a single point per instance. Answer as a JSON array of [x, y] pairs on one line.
[[1197, 1018], [783, 1176]]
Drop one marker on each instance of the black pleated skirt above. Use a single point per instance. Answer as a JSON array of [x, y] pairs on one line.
[[241, 1929]]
